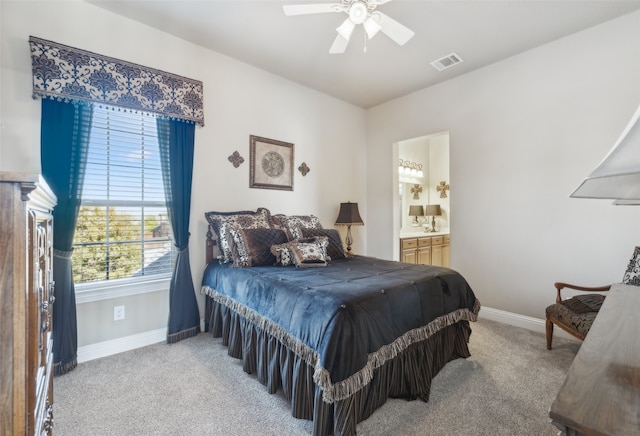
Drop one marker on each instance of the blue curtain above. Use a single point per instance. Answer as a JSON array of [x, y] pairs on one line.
[[176, 140], [64, 141]]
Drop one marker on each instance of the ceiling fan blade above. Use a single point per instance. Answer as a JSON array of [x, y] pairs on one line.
[[319, 8], [380, 2], [394, 30], [339, 45]]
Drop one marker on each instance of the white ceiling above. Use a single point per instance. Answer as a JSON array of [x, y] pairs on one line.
[[297, 48]]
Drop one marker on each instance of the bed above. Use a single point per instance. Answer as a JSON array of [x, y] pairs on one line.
[[337, 335]]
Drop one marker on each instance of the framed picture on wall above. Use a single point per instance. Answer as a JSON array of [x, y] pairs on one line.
[[270, 164]]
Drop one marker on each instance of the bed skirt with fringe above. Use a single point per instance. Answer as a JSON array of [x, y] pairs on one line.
[[276, 366]]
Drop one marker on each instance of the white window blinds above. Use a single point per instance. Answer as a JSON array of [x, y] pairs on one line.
[[123, 229]]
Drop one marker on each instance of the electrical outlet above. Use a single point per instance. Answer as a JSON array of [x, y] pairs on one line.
[[118, 313]]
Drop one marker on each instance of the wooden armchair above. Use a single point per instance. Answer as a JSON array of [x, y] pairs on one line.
[[576, 314]]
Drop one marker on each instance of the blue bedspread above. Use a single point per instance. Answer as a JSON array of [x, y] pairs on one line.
[[348, 318]]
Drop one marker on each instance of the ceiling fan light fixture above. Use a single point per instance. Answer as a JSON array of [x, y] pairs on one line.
[[346, 29], [372, 27], [358, 12]]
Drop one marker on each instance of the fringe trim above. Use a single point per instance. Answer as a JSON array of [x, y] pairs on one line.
[[63, 368], [184, 334], [332, 392], [301, 349]]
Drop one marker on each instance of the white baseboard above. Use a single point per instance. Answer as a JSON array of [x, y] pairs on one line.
[[115, 346], [517, 320], [119, 345]]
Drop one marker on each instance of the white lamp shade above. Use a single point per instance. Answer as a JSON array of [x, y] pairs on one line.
[[346, 29], [372, 27], [618, 175]]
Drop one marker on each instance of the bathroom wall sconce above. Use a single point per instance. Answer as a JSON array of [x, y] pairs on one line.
[[410, 169]]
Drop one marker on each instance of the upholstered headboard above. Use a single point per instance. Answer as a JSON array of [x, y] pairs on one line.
[[210, 245]]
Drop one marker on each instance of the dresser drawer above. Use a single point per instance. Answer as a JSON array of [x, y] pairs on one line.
[[409, 243], [424, 242], [437, 240], [447, 239]]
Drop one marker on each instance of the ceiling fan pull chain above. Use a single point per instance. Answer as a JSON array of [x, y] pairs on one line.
[[365, 42]]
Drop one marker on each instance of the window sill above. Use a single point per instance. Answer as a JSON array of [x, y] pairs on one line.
[[108, 290]]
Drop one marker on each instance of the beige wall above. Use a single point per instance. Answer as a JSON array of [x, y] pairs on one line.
[[239, 100], [524, 133]]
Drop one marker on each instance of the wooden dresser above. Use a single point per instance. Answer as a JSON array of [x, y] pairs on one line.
[[26, 298], [601, 394]]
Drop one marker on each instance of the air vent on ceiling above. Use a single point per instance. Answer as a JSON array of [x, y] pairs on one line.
[[447, 62]]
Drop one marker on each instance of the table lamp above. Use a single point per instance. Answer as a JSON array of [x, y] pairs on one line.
[[433, 210], [415, 212], [349, 216]]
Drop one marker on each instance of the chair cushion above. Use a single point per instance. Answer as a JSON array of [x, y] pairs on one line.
[[577, 313]]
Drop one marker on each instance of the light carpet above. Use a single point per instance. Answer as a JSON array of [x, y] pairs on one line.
[[194, 388]]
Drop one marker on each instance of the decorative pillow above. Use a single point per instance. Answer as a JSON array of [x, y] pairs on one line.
[[283, 254], [293, 223], [310, 254], [252, 247], [335, 249], [632, 274], [279, 221], [260, 219]]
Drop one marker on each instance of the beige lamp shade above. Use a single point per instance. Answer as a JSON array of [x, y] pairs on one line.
[[416, 211], [433, 210]]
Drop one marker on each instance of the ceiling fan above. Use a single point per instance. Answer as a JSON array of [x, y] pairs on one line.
[[359, 12]]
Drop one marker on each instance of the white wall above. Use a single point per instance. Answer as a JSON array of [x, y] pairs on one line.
[[524, 133], [239, 100]]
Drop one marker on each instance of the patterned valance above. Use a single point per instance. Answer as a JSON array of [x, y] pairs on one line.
[[68, 73]]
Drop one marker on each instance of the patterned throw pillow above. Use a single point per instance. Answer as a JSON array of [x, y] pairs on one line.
[[293, 223], [252, 247], [283, 254], [335, 250], [219, 221], [279, 221], [632, 274], [311, 252]]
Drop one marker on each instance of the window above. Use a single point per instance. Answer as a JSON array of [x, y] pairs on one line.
[[123, 229]]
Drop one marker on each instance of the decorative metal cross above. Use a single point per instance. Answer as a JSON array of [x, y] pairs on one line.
[[443, 187], [236, 159], [416, 190], [304, 169]]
